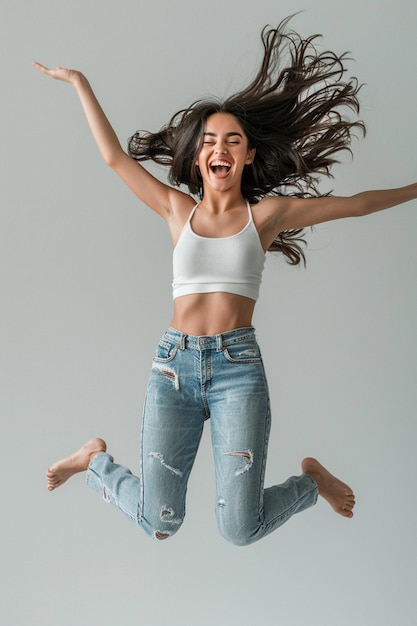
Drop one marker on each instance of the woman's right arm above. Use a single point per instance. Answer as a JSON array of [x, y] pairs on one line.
[[146, 187]]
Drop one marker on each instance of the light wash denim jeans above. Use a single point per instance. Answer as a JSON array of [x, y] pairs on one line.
[[220, 377]]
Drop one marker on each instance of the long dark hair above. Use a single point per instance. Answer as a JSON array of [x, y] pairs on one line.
[[294, 112]]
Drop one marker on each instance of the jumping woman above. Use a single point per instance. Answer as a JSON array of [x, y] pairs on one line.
[[250, 164]]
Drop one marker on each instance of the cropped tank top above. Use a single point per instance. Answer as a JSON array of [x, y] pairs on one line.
[[231, 264]]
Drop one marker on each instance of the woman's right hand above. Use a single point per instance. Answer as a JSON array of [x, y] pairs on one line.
[[59, 73], [152, 192]]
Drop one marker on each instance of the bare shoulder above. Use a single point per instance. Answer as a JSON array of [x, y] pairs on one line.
[[267, 217], [268, 211], [180, 206]]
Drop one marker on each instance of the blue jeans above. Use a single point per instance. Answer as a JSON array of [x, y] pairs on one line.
[[193, 378]]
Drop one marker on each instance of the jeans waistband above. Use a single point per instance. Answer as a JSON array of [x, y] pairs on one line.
[[210, 342]]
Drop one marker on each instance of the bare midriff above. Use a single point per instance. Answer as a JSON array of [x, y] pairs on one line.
[[212, 313]]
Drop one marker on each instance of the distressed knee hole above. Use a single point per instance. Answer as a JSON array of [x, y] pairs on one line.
[[245, 454]]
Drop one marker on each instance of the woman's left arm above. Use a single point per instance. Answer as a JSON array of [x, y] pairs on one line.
[[300, 213]]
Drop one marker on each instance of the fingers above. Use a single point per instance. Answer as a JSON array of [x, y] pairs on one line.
[[39, 66], [59, 73], [44, 69]]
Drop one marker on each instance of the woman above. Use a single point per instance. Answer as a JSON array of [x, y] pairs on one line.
[[252, 161]]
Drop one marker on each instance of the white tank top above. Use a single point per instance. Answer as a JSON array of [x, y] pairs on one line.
[[206, 264]]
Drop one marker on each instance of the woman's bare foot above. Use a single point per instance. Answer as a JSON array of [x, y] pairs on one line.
[[338, 495], [58, 473]]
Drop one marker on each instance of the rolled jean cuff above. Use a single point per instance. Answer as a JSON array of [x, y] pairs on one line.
[[314, 494], [95, 469]]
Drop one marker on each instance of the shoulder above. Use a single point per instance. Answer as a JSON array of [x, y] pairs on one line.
[[268, 212], [180, 207], [267, 217]]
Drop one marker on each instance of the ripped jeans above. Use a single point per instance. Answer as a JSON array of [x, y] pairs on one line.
[[193, 378]]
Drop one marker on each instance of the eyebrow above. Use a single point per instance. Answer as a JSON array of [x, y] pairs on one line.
[[231, 134]]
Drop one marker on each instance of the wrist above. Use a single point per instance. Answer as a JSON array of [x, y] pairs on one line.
[[78, 80]]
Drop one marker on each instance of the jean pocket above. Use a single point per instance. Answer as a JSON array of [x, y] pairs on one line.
[[165, 351], [243, 353]]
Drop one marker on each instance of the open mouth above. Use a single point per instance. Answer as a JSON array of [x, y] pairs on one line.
[[220, 168]]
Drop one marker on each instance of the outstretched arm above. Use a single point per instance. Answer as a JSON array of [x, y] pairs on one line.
[[299, 213], [277, 214], [151, 191]]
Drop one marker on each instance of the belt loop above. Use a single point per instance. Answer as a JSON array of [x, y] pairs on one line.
[[219, 342]]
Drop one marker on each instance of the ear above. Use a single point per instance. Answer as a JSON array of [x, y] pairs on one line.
[[250, 157]]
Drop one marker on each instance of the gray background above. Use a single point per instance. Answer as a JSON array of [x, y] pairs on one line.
[[85, 286]]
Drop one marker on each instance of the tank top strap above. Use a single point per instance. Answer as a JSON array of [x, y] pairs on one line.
[[251, 221], [193, 210], [249, 211]]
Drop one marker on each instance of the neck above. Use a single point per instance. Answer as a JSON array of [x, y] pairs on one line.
[[221, 202]]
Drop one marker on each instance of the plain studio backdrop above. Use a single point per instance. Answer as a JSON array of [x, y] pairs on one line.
[[85, 287]]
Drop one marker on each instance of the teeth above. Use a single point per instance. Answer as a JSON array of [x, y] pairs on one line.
[[220, 164]]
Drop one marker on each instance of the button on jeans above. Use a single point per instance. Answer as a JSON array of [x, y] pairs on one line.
[[221, 378]]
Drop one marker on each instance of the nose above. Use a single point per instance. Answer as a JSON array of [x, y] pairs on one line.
[[221, 149]]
